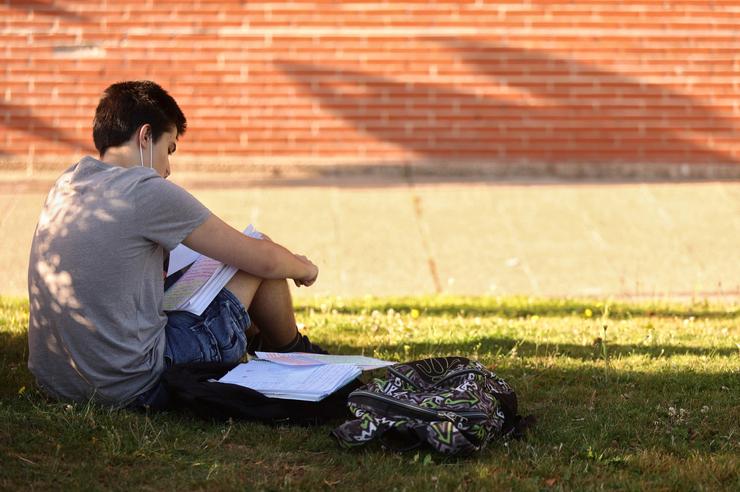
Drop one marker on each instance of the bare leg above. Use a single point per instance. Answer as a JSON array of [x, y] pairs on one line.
[[269, 305], [244, 286], [272, 311]]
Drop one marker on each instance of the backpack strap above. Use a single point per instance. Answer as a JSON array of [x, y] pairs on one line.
[[514, 424], [360, 430], [519, 426], [398, 438], [402, 439]]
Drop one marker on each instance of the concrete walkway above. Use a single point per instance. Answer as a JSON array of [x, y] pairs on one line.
[[375, 236]]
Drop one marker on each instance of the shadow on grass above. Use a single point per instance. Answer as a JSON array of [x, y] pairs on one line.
[[510, 351], [14, 373], [657, 425], [588, 422], [488, 346], [523, 307], [676, 411]]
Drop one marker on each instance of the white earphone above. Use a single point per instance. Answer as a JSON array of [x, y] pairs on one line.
[[151, 152]]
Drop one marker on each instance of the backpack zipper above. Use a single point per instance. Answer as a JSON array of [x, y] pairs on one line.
[[426, 412], [398, 374], [459, 373], [434, 385]]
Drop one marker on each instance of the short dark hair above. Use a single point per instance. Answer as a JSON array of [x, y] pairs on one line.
[[125, 106]]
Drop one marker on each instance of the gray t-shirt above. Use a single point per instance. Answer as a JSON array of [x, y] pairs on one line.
[[95, 282]]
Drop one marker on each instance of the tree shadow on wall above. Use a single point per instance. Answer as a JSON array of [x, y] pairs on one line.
[[582, 113], [48, 8], [21, 119]]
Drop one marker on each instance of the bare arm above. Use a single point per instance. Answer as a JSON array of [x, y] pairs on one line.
[[265, 259]]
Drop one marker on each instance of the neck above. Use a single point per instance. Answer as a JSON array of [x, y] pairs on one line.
[[121, 156]]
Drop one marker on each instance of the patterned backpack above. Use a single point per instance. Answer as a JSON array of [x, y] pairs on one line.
[[451, 403]]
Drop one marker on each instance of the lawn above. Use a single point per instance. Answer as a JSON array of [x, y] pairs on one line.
[[627, 396]]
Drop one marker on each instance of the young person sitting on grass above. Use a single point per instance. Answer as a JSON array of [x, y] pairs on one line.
[[97, 329]]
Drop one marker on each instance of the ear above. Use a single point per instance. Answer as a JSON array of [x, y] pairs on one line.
[[145, 135]]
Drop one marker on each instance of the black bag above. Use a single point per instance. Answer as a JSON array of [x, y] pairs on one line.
[[453, 404], [195, 387]]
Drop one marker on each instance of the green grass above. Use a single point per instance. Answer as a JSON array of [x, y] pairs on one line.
[[644, 397]]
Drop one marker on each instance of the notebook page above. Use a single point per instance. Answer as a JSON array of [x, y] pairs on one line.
[[305, 359], [190, 282], [180, 257], [196, 288], [290, 381]]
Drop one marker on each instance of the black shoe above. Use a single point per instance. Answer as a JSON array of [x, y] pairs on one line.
[[254, 343], [303, 344], [300, 343]]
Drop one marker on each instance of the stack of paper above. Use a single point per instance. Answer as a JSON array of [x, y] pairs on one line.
[[205, 278], [308, 383]]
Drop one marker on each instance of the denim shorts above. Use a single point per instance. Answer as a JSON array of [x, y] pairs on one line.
[[217, 335]]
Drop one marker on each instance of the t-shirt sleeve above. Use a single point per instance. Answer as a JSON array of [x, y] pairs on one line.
[[167, 213]]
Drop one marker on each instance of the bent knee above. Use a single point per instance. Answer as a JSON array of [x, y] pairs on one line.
[[244, 285]]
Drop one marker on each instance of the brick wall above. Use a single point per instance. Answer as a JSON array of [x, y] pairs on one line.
[[582, 81]]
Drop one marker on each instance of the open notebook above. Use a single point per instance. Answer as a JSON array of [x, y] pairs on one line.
[[308, 383], [300, 376], [203, 280]]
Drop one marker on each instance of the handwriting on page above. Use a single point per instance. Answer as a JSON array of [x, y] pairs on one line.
[[190, 282], [195, 290]]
